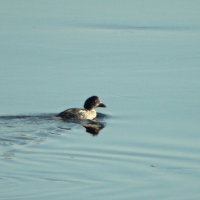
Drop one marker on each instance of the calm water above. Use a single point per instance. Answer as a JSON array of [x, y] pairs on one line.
[[142, 58]]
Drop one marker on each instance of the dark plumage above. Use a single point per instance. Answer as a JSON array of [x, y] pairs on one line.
[[88, 112]]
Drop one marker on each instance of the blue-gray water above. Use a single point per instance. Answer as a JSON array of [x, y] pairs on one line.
[[142, 58]]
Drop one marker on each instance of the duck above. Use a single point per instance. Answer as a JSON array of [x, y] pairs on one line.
[[88, 112]]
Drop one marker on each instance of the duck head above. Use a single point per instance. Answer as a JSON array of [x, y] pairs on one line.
[[93, 102]]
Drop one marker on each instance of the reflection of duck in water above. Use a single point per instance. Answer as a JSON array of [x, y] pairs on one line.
[[88, 112], [93, 127], [85, 116]]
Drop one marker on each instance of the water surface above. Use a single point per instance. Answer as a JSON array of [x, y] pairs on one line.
[[141, 58]]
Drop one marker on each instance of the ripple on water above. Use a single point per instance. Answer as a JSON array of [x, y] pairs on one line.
[[57, 159]]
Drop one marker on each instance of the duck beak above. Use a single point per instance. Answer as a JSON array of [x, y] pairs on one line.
[[102, 105]]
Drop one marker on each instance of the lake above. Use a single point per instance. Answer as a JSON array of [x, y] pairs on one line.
[[142, 58]]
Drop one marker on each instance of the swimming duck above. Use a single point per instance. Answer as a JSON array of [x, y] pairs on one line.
[[86, 113]]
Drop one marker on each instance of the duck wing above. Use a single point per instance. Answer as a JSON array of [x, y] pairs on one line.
[[72, 113]]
